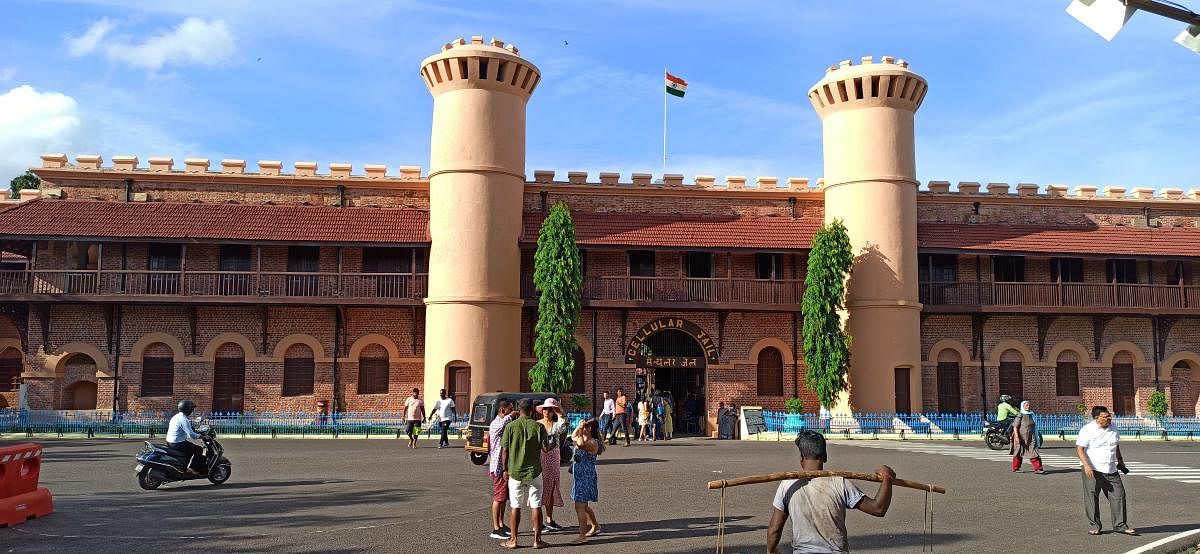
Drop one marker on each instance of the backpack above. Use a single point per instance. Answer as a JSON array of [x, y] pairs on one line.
[[662, 410]]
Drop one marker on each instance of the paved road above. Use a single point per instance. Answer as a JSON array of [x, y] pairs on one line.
[[375, 495]]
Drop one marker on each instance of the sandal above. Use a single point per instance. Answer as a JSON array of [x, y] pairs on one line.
[[1094, 532], [1130, 532]]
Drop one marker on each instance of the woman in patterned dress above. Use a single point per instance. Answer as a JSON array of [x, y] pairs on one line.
[[556, 428], [585, 487]]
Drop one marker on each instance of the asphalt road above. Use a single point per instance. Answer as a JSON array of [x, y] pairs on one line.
[[350, 495]]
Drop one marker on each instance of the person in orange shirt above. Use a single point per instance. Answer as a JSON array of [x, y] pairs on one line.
[[620, 418]]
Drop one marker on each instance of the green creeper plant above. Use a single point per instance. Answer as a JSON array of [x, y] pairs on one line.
[[826, 344], [794, 405], [1081, 408], [558, 278], [1158, 404]]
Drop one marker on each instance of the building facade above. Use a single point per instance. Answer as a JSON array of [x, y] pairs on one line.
[[129, 285]]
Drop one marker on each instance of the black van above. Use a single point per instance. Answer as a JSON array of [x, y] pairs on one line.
[[482, 414]]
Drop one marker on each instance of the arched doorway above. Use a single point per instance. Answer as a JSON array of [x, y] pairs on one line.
[[229, 379], [1122, 384], [78, 372], [671, 355], [949, 384]]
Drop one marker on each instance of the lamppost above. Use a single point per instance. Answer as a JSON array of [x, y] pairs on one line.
[[1107, 17]]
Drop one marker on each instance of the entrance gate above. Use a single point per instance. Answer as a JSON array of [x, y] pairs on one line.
[[671, 355]]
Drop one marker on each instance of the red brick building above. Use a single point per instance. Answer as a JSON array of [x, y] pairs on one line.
[[130, 287]]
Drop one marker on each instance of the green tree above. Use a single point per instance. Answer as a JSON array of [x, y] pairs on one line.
[[1158, 404], [26, 181], [558, 278], [826, 345]]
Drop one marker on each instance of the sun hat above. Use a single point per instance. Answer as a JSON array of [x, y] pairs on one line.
[[550, 403]]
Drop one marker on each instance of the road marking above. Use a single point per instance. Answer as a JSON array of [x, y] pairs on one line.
[[1163, 542], [1141, 469]]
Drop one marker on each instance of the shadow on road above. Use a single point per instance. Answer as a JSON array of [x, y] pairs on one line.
[[255, 485], [1176, 528], [680, 528], [625, 461], [906, 539]]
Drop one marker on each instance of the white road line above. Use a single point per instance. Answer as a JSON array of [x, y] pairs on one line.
[[1141, 469], [1163, 542]]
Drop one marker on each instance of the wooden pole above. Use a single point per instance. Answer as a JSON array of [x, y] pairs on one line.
[[769, 477]]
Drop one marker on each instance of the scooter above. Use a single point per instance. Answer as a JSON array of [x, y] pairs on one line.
[[159, 463]]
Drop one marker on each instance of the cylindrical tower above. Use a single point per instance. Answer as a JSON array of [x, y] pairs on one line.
[[476, 177], [867, 113]]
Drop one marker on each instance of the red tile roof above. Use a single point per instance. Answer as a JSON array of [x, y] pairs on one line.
[[172, 220], [1141, 241], [684, 231]]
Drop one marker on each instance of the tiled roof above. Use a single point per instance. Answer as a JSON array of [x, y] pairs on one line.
[[172, 220], [683, 231], [1142, 241]]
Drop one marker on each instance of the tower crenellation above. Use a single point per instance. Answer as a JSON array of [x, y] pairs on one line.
[[476, 64], [888, 82]]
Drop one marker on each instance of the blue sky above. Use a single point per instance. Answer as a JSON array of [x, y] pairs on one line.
[[1019, 91]]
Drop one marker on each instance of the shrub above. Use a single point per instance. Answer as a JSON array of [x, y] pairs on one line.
[[580, 402], [1158, 404], [794, 405], [1081, 408]]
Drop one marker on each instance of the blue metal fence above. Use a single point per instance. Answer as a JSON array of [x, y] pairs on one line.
[[960, 425], [281, 424]]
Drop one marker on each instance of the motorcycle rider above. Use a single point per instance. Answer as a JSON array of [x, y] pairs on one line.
[[178, 433], [1005, 409]]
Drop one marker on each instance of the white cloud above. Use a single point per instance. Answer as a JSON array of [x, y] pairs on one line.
[[87, 42], [33, 123], [194, 41]]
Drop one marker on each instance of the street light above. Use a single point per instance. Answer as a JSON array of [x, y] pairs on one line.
[[1107, 17]]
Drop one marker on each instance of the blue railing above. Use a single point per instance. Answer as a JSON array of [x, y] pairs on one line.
[[274, 424], [958, 425]]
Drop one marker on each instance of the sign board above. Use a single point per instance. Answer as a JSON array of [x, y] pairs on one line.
[[752, 421], [707, 344], [668, 361]]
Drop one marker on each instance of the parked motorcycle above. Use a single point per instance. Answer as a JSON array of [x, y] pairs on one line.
[[997, 434], [159, 463]]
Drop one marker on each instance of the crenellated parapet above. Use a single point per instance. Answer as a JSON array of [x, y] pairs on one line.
[[887, 83], [266, 168], [492, 65], [612, 179], [1058, 190]]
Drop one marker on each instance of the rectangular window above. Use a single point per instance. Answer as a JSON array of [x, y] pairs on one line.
[[235, 257], [10, 372], [158, 376], [768, 265], [387, 260], [699, 264], [1178, 272], [165, 261], [1066, 270], [641, 263], [1066, 375], [298, 376], [1122, 270], [372, 375], [1008, 269], [937, 268], [304, 259]]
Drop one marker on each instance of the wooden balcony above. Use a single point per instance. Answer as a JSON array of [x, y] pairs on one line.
[[698, 293], [1091, 298], [213, 286]]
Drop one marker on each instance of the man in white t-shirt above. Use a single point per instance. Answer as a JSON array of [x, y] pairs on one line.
[[817, 507], [444, 413], [1099, 450], [606, 414]]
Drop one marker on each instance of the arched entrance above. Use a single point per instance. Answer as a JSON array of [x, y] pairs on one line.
[[78, 373], [80, 395], [671, 355], [229, 379]]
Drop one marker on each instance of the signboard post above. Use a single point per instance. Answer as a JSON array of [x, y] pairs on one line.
[[752, 421]]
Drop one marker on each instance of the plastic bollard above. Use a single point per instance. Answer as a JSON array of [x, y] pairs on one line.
[[20, 496]]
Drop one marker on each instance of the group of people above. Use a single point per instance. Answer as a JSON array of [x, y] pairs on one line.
[[443, 414], [1097, 445], [525, 456], [655, 416]]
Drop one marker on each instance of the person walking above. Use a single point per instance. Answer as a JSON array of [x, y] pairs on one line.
[[504, 410], [521, 446], [444, 413], [1099, 450], [643, 419], [1025, 440], [620, 417], [556, 427], [414, 414], [586, 486], [656, 416], [606, 415], [817, 507], [668, 416]]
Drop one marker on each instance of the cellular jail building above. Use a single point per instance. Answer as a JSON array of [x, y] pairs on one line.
[[128, 284]]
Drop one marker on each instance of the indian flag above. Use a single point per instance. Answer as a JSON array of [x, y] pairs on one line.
[[676, 86]]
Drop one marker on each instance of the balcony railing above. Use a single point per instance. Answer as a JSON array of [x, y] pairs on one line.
[[1066, 295], [214, 283], [684, 289]]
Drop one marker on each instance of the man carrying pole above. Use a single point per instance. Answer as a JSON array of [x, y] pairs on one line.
[[817, 507]]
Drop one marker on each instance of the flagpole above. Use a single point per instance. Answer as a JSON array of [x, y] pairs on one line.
[[664, 165]]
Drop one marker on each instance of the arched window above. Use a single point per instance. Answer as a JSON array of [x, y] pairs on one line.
[[10, 369], [373, 370], [949, 383], [158, 370], [298, 371], [579, 372], [770, 372], [1011, 378], [1122, 384], [1066, 373]]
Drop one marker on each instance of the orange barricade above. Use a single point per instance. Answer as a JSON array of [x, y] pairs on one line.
[[20, 496]]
